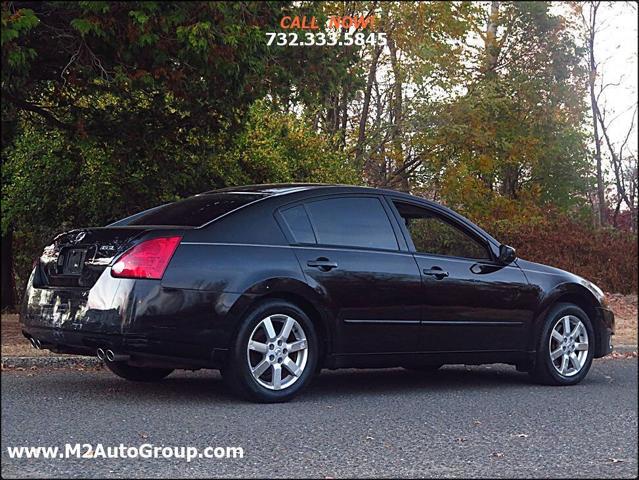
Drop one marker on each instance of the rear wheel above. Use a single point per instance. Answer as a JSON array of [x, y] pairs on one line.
[[566, 347], [274, 354], [138, 374]]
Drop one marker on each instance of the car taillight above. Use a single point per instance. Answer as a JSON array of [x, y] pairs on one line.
[[148, 259]]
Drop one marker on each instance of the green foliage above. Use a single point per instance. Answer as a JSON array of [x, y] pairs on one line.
[[278, 147], [515, 139], [15, 26], [52, 184]]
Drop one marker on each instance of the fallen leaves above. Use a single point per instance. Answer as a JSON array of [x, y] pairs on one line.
[[617, 355], [625, 309]]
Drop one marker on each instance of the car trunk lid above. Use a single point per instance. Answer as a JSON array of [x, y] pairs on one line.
[[78, 257]]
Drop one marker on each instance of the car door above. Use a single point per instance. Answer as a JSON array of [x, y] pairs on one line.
[[351, 250], [470, 301]]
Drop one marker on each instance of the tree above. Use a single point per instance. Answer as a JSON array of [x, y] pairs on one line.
[[515, 136], [122, 106], [589, 18], [616, 151], [401, 78], [114, 107]]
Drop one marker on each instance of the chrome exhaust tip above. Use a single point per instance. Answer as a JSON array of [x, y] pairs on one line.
[[111, 356], [100, 353]]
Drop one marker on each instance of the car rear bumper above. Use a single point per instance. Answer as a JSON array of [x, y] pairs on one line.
[[607, 330], [140, 349], [140, 318]]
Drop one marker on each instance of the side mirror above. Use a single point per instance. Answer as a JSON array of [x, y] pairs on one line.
[[506, 254]]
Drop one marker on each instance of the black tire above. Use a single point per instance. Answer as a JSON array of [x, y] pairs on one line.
[[236, 371], [423, 368], [543, 370], [138, 374]]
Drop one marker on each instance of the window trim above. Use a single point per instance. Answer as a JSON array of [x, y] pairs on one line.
[[483, 242], [390, 215]]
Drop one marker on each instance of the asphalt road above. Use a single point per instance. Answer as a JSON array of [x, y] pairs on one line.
[[469, 422]]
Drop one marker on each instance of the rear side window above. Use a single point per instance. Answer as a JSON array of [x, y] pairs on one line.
[[352, 222], [195, 211], [298, 223]]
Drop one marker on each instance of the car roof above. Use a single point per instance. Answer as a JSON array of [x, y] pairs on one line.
[[269, 189]]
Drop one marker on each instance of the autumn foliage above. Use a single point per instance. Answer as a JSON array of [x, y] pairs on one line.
[[607, 257], [109, 108]]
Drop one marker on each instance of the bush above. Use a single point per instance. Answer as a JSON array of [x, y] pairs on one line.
[[606, 257]]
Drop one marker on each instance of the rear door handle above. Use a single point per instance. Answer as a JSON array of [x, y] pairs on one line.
[[436, 272], [322, 263]]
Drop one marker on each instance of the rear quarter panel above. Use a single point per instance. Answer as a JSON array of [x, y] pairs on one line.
[[223, 268]]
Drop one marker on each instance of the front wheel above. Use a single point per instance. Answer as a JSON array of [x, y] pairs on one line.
[[138, 374], [274, 354], [566, 347]]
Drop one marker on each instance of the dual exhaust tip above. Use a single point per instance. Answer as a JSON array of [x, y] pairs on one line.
[[107, 355], [110, 356]]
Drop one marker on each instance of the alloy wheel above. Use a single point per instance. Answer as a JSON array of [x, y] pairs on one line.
[[277, 352], [568, 345]]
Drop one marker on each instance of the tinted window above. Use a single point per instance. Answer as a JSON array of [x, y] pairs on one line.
[[299, 224], [352, 222], [195, 211], [432, 234]]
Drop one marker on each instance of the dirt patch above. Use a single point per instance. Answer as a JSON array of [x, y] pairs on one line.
[[624, 307], [14, 344]]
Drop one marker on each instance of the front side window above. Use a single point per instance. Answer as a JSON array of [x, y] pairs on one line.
[[352, 222], [434, 235]]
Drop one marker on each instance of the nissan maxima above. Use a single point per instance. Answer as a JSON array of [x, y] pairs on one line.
[[271, 283]]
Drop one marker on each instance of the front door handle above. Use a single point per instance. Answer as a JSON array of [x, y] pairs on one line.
[[322, 263], [436, 272]]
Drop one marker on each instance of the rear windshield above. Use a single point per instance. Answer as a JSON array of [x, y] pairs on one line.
[[196, 211]]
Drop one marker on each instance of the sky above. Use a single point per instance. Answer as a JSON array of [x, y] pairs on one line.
[[616, 45], [616, 48]]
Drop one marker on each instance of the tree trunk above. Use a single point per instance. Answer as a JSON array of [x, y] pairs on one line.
[[509, 172], [361, 134], [8, 279], [601, 197], [344, 116], [396, 135], [490, 44], [510, 180], [592, 66]]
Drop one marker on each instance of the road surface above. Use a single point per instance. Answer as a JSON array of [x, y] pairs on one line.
[[461, 421]]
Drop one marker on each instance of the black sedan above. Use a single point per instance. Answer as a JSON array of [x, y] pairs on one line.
[[271, 283]]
